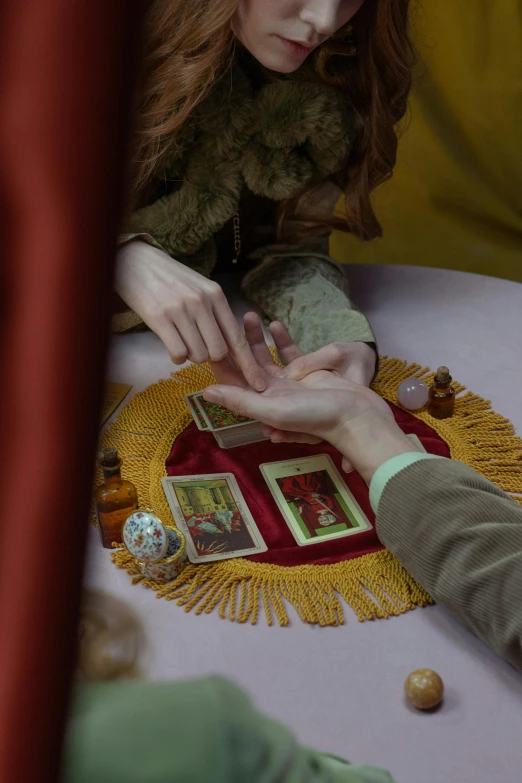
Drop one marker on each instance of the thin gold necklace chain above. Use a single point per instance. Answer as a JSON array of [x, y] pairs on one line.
[[237, 238]]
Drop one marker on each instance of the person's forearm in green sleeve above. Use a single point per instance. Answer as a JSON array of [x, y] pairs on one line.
[[307, 294], [460, 536]]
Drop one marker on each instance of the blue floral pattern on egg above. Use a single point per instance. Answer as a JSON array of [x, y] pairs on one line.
[[145, 537]]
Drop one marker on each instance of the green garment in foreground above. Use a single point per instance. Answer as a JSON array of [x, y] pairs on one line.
[[204, 731]]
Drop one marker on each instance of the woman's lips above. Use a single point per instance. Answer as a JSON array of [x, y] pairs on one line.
[[298, 48]]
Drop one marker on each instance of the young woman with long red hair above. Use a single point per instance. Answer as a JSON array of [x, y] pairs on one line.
[[252, 118]]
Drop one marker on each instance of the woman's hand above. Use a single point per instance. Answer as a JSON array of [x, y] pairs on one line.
[[351, 417], [296, 407], [296, 361], [353, 361], [323, 368], [321, 406], [189, 313]]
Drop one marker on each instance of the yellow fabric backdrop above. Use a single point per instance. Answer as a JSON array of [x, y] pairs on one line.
[[456, 196]]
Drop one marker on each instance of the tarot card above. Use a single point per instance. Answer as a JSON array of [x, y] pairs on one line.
[[314, 500], [414, 439], [212, 513], [197, 414], [113, 395], [245, 437], [218, 418]]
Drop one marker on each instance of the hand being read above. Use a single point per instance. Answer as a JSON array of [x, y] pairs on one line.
[[297, 411], [322, 405], [315, 370]]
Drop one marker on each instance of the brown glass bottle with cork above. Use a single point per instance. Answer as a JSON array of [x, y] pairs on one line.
[[441, 400], [115, 499]]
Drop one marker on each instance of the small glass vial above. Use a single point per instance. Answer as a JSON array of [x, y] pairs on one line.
[[441, 401], [115, 500]]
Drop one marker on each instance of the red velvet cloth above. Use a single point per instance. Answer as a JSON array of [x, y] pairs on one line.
[[196, 452]]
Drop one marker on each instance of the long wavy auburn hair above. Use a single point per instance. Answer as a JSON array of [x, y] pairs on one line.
[[189, 44]]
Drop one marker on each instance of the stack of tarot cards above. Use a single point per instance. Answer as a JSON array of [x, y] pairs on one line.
[[228, 429]]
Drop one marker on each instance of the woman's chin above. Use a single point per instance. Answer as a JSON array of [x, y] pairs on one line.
[[278, 62]]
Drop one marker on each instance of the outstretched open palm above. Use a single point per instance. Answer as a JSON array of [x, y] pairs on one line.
[[304, 410]]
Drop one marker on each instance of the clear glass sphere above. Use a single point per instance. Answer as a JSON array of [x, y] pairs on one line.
[[413, 394]]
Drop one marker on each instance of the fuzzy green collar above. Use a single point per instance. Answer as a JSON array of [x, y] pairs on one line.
[[273, 140]]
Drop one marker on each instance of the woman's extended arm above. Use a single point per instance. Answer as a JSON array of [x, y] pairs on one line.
[[187, 311]]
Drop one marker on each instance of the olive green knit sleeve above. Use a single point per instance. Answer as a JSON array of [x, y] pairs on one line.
[[308, 293]]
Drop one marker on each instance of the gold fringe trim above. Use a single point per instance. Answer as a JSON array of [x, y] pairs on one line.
[[374, 586]]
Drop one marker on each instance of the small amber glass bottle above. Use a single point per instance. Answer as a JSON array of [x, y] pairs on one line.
[[115, 499], [441, 401]]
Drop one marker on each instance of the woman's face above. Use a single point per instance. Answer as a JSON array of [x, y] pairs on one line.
[[280, 34]]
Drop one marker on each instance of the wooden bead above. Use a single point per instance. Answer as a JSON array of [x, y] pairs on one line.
[[424, 689]]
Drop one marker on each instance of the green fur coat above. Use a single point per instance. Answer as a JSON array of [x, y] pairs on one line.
[[264, 142]]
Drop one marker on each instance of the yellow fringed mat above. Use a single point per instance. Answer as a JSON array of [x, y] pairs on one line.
[[374, 585]]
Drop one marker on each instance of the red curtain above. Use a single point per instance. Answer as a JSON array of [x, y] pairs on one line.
[[66, 72]]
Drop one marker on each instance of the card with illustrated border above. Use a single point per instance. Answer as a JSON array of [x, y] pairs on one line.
[[214, 516], [314, 500], [229, 430], [197, 413], [219, 418], [114, 394]]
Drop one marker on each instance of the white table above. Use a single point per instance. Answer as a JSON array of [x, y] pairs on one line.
[[340, 689]]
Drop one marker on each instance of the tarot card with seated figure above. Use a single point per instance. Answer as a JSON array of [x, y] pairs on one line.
[[314, 500], [212, 513]]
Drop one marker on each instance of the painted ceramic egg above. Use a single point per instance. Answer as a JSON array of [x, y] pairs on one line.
[[145, 537]]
